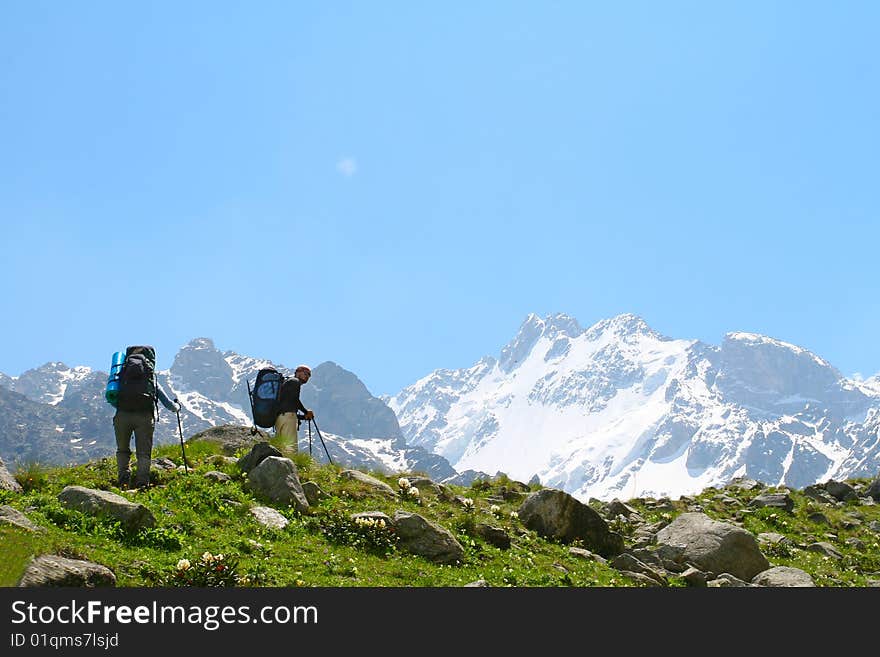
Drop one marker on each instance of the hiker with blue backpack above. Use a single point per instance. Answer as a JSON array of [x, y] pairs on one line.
[[135, 393], [290, 408]]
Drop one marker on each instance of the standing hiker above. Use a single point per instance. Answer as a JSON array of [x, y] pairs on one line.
[[137, 408], [290, 405]]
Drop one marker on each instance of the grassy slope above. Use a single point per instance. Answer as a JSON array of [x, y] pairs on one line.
[[195, 515]]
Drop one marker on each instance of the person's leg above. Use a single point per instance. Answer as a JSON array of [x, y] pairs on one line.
[[122, 427], [286, 425], [143, 442]]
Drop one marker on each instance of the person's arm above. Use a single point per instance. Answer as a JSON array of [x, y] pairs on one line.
[[171, 405], [300, 408]]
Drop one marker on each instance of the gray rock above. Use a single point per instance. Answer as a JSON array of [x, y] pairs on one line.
[[783, 576], [258, 453], [277, 480], [163, 463], [132, 516], [773, 538], [640, 578], [12, 516], [269, 517], [586, 554], [216, 475], [628, 563], [825, 548], [496, 536], [313, 492], [744, 483], [231, 438], [694, 576], [617, 508], [840, 490], [372, 482], [718, 547], [726, 580], [776, 500], [425, 538], [7, 481], [873, 491], [555, 514], [52, 570], [818, 493]]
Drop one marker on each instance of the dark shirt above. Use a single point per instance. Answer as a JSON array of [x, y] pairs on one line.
[[289, 401]]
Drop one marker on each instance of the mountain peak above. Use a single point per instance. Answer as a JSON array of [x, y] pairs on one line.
[[200, 343], [533, 329], [550, 325], [757, 340], [622, 325]]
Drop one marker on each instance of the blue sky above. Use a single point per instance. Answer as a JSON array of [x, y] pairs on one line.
[[394, 186]]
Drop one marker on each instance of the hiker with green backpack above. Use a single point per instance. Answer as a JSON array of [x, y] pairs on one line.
[[136, 396]]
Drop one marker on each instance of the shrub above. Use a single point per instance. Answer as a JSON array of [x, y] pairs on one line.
[[368, 534], [208, 570]]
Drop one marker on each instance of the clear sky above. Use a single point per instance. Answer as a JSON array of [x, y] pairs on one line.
[[394, 186]]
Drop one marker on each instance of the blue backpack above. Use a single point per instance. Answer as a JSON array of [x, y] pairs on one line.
[[266, 396]]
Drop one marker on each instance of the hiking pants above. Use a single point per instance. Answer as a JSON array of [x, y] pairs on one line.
[[287, 427], [142, 424]]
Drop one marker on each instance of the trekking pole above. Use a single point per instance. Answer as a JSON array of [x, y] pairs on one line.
[[310, 437], [182, 451], [322, 441]]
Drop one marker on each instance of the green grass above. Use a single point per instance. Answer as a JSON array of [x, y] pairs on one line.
[[324, 548]]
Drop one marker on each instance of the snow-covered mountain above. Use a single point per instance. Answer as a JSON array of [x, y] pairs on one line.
[[615, 410], [57, 414], [618, 410]]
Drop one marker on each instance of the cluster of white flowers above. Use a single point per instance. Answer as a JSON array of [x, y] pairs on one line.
[[413, 492], [468, 504], [495, 509], [370, 522], [403, 484], [207, 557], [514, 515], [184, 564]]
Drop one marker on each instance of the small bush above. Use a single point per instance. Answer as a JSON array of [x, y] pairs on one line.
[[208, 570], [367, 534], [31, 476]]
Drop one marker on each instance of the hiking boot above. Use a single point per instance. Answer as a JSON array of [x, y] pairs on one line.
[[124, 480]]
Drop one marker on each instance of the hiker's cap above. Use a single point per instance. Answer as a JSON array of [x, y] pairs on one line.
[[303, 368]]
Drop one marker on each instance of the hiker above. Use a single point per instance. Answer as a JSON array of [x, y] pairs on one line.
[[290, 406], [137, 410]]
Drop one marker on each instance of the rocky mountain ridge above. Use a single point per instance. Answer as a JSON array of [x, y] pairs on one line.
[[57, 414], [612, 410], [617, 410]]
